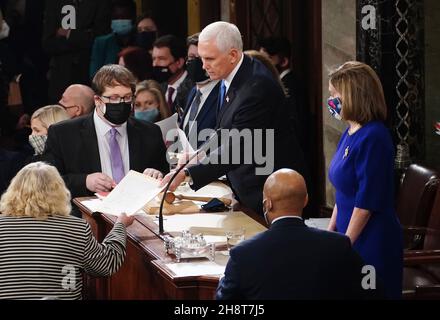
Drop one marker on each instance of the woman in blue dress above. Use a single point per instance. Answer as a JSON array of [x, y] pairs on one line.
[[362, 172]]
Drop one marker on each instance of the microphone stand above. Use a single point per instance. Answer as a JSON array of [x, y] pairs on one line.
[[196, 153]]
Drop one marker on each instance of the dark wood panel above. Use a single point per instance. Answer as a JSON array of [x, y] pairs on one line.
[[144, 274]]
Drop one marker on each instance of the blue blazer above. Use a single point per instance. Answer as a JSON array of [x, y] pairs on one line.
[[207, 117], [293, 261]]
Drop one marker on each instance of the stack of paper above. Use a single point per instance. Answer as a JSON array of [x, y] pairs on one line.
[[130, 195]]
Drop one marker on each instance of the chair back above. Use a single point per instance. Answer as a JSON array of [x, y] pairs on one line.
[[416, 195]]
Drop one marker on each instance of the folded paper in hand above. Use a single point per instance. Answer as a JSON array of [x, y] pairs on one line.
[[131, 194]]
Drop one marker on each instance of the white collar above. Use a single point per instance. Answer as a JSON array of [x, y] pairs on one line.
[[286, 217], [285, 73], [231, 76], [102, 127], [179, 81]]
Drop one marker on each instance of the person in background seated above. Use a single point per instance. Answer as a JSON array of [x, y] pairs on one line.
[[290, 260], [41, 120], [41, 244], [95, 152], [362, 172], [138, 61], [150, 103], [78, 100]]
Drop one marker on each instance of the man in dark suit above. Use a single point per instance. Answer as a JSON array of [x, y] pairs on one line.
[[94, 152], [251, 102], [291, 260], [169, 53], [70, 49], [201, 107], [279, 51]]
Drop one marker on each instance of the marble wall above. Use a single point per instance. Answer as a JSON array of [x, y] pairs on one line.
[[338, 46], [432, 80]]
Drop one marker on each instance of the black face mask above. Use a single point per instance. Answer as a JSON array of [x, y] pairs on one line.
[[145, 39], [195, 70], [162, 74], [117, 113]]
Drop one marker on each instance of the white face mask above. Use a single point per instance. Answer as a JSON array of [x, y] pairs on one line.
[[38, 143], [265, 214], [4, 31]]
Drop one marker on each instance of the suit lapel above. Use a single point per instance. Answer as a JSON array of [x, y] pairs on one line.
[[188, 106], [210, 105], [90, 143], [134, 146], [237, 82]]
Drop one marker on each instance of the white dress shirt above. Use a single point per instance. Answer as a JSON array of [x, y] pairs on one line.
[[103, 134], [175, 86], [286, 217], [231, 76]]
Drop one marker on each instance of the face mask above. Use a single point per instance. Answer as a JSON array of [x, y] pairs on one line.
[[122, 27], [147, 115], [162, 74], [38, 143], [266, 218], [4, 33], [195, 70], [334, 105], [145, 39], [265, 214], [117, 113]]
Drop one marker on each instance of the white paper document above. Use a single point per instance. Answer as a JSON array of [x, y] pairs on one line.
[[212, 190], [199, 268], [131, 194], [318, 223], [168, 124]]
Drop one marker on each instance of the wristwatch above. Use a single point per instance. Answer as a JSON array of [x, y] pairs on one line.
[[188, 178]]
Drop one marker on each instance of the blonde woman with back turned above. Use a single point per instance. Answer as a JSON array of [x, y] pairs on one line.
[[43, 248]]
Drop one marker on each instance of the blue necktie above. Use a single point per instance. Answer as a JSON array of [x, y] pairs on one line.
[[222, 96]]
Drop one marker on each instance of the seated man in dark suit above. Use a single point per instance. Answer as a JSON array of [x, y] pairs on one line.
[[201, 108], [94, 152], [291, 260]]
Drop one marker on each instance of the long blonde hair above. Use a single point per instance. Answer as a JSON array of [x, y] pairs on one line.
[[36, 191], [49, 115], [154, 88]]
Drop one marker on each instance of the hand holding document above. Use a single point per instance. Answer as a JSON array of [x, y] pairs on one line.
[[130, 195]]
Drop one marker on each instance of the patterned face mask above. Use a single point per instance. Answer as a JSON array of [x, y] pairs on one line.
[[38, 143], [334, 105]]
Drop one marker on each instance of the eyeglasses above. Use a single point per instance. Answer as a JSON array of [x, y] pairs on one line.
[[118, 99], [66, 107]]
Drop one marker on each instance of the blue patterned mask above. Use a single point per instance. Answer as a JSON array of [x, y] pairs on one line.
[[147, 115], [334, 105]]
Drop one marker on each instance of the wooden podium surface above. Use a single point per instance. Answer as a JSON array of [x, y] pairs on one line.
[[144, 275]]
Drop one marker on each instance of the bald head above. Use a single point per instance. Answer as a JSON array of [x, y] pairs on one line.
[[78, 100], [285, 193]]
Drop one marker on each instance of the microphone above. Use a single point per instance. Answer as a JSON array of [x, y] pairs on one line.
[[196, 153]]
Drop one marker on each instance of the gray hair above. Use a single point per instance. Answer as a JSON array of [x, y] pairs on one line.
[[226, 35]]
